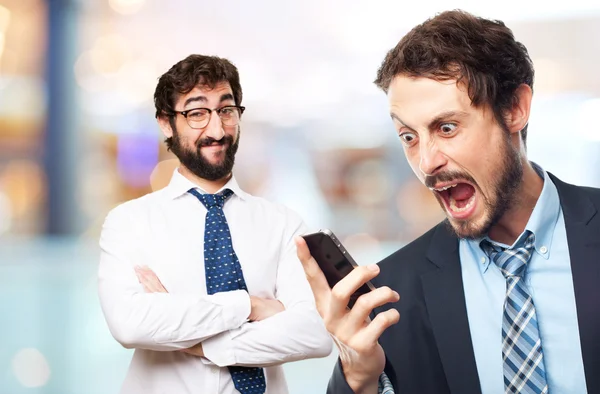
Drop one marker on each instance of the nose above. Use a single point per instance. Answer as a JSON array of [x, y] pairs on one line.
[[432, 159], [214, 128]]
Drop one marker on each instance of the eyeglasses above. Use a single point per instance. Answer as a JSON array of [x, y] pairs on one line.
[[198, 118]]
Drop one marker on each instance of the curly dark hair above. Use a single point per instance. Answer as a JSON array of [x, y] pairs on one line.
[[188, 73], [481, 53]]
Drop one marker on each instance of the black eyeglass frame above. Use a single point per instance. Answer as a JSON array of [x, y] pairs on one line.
[[210, 111]]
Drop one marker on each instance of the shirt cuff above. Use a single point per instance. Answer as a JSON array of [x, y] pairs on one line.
[[385, 385], [218, 350], [235, 307]]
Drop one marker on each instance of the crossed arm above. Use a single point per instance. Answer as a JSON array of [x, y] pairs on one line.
[[260, 308], [230, 330]]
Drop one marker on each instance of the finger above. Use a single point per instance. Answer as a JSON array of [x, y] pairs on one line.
[[314, 275], [366, 303], [147, 284], [139, 273], [341, 292], [142, 279], [368, 337], [150, 280], [146, 271]]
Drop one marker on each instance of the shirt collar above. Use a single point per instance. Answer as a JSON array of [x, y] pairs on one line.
[[545, 215], [180, 185], [542, 221]]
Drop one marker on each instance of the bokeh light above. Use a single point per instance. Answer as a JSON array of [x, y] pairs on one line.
[[126, 7], [31, 368]]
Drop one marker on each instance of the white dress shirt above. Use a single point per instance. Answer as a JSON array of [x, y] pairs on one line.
[[164, 230]]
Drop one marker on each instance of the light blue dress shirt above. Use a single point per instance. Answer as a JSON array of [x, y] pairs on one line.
[[550, 283]]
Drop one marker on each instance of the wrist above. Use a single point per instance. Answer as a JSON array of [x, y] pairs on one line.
[[363, 386], [361, 383]]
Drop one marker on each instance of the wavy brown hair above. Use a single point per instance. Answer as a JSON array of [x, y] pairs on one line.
[[480, 53], [194, 70]]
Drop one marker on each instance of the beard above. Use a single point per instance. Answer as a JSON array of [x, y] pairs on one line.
[[504, 189], [198, 164]]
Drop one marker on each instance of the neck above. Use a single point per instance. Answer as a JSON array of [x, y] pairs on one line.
[[513, 222], [208, 186]]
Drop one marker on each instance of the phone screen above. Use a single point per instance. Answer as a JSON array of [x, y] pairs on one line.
[[334, 260]]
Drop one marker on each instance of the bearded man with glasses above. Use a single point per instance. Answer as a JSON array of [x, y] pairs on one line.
[[232, 303]]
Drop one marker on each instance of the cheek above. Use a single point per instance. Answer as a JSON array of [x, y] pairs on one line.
[[414, 161], [185, 132], [232, 131], [486, 174], [189, 136]]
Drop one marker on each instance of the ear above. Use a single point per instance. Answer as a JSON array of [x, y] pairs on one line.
[[165, 125], [518, 115]]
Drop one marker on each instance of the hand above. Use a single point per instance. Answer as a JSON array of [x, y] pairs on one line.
[[195, 350], [356, 337], [149, 280], [262, 308]]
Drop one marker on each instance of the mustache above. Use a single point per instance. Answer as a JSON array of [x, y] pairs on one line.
[[209, 141], [432, 180]]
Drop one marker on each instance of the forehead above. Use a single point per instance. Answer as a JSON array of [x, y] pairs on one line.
[[205, 94], [417, 99]]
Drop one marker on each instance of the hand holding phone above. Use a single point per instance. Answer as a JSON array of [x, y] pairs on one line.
[[334, 260], [325, 262]]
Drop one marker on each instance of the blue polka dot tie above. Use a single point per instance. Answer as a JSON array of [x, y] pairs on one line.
[[524, 370], [224, 273]]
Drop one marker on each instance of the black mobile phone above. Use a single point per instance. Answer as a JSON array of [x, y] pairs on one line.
[[334, 260]]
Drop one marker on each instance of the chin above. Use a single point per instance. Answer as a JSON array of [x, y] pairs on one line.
[[215, 162], [469, 228]]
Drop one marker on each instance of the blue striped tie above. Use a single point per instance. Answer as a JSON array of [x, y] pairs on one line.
[[224, 273], [524, 370]]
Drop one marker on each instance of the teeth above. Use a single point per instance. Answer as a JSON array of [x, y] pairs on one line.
[[443, 188]]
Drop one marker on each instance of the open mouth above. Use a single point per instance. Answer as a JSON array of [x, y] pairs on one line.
[[459, 198]]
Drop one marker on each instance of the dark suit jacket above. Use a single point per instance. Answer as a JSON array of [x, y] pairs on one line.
[[430, 349]]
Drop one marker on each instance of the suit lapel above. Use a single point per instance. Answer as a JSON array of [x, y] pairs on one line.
[[445, 299], [583, 237]]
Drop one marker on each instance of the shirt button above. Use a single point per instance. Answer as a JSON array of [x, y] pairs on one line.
[[483, 260], [543, 249]]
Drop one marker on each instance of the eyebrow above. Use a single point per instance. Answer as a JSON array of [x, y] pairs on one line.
[[395, 117], [445, 116], [203, 99], [436, 120]]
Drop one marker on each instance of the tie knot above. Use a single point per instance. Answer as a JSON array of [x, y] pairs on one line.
[[512, 261], [212, 200]]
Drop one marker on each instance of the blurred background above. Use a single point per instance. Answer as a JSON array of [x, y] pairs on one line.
[[78, 137]]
